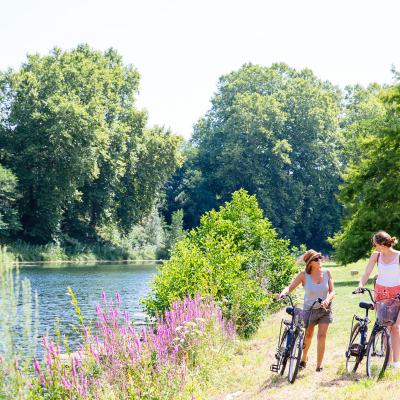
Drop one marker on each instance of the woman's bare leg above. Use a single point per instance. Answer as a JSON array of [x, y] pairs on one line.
[[321, 339], [307, 341], [395, 339]]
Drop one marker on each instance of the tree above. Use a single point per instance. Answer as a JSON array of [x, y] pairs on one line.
[[79, 147], [274, 132], [360, 107], [9, 219], [371, 188]]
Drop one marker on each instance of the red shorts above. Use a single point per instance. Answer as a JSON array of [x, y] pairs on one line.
[[385, 292]]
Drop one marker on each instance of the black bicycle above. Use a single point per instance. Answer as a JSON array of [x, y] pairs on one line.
[[290, 341], [377, 348]]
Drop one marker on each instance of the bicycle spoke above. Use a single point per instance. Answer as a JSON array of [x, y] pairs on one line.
[[354, 351], [295, 356], [378, 353], [282, 350]]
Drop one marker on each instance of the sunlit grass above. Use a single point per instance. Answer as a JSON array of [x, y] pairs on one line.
[[248, 372]]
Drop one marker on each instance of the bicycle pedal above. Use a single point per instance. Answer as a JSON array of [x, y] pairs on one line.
[[274, 368]]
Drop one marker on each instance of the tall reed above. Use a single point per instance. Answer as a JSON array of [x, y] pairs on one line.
[[19, 319]]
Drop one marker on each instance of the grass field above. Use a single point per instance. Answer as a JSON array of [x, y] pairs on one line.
[[247, 375]]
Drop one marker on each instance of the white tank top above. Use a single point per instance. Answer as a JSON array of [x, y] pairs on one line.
[[389, 274]]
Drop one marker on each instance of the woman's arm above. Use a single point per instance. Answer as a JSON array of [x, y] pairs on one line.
[[331, 291], [299, 278], [368, 269]]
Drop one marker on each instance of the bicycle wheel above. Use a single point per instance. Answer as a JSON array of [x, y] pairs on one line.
[[295, 357], [283, 352], [354, 353], [378, 351]]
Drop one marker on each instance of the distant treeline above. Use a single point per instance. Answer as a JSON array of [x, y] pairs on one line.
[[80, 165], [323, 162]]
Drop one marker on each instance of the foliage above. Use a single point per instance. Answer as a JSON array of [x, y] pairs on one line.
[[274, 132], [70, 132], [360, 107], [170, 361], [9, 220], [173, 233], [234, 256], [371, 188]]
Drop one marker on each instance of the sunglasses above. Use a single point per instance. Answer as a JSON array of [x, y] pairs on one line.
[[317, 258]]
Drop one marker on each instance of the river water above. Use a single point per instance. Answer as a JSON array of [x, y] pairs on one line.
[[87, 282]]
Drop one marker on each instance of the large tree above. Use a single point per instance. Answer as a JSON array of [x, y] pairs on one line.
[[371, 188], [71, 133], [274, 132], [9, 219], [361, 106]]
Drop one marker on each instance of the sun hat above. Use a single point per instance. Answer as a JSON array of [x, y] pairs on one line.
[[310, 255]]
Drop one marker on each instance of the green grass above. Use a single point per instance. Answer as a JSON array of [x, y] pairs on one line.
[[248, 376]]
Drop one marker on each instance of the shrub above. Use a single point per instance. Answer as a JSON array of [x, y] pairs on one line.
[[234, 256]]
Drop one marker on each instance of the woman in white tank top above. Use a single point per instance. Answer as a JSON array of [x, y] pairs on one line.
[[388, 283]]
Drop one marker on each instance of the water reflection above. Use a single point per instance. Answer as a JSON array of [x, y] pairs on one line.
[[87, 282]]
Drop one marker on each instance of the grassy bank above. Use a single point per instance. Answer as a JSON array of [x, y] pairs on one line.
[[25, 252], [248, 376]]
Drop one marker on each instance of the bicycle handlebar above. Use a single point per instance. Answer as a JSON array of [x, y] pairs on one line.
[[288, 296], [319, 300], [363, 290]]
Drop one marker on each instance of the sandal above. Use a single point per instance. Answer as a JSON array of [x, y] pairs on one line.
[[302, 364], [319, 369]]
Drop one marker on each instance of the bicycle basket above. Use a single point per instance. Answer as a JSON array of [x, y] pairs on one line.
[[299, 315], [387, 311]]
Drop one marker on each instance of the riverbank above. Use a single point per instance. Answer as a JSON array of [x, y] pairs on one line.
[[248, 375], [80, 253]]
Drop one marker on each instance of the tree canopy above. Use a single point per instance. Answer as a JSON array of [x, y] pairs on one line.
[[79, 147], [371, 188], [274, 132]]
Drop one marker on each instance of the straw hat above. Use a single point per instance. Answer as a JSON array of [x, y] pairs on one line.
[[311, 255]]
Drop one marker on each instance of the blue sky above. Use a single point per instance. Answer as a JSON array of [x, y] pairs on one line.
[[181, 47]]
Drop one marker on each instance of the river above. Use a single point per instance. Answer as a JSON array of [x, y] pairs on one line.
[[87, 282]]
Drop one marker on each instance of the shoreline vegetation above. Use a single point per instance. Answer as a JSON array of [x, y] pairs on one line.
[[86, 262], [171, 359]]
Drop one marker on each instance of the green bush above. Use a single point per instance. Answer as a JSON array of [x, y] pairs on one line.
[[235, 256]]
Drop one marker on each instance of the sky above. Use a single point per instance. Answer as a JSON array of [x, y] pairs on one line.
[[182, 47]]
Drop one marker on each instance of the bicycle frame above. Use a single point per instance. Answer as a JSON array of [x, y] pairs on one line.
[[360, 349], [292, 329]]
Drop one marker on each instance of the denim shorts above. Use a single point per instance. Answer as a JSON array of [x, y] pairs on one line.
[[318, 316]]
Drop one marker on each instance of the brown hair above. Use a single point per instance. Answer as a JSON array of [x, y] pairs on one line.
[[384, 239]]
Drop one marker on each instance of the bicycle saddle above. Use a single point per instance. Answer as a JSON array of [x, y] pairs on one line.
[[289, 310], [367, 305]]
